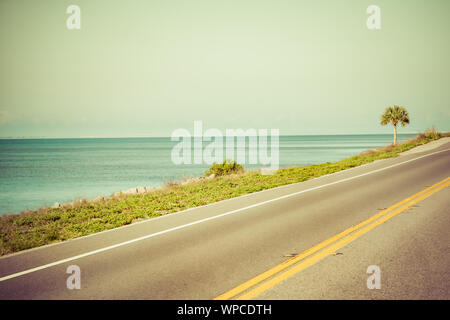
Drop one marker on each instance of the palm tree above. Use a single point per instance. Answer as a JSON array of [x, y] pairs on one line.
[[395, 115]]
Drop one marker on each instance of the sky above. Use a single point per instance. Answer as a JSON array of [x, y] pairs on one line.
[[146, 68]]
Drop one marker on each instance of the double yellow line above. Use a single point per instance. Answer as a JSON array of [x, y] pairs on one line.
[[271, 277]]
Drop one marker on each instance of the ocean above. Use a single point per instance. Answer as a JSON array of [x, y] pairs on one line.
[[39, 172]]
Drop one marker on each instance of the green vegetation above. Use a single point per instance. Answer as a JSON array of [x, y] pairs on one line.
[[225, 168], [395, 115], [37, 228]]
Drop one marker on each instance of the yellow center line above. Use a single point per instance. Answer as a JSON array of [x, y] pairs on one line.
[[306, 263], [288, 263]]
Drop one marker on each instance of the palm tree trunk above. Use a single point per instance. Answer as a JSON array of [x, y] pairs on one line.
[[395, 135]]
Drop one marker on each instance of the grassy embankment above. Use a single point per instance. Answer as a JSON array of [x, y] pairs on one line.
[[36, 228]]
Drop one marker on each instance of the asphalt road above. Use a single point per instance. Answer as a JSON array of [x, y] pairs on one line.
[[204, 252]]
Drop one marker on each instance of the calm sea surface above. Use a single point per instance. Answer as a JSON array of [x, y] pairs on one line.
[[40, 172]]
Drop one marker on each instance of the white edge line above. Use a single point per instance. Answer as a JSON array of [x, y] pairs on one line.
[[14, 275]]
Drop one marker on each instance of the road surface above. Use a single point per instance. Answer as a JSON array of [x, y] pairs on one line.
[[214, 251]]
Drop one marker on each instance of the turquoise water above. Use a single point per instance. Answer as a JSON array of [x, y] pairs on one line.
[[40, 172]]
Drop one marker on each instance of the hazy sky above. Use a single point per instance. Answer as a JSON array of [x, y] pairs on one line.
[[145, 68]]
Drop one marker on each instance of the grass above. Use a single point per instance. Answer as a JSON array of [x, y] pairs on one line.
[[36, 228]]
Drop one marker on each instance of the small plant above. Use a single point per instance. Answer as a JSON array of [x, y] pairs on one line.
[[432, 134], [225, 168]]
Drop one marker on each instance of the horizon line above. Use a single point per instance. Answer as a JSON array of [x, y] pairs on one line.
[[130, 137]]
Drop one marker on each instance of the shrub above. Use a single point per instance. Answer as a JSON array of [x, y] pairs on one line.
[[432, 134], [226, 167]]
